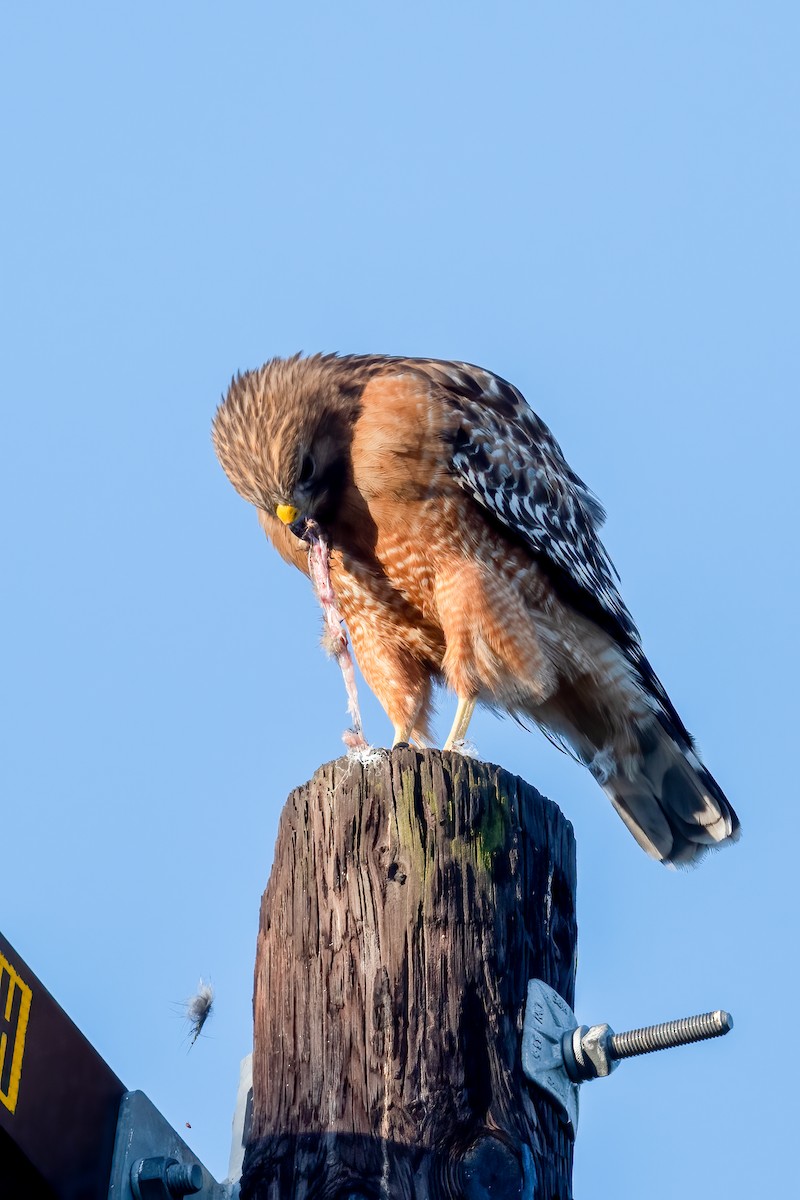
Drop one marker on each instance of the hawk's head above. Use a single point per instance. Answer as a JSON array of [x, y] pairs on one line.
[[283, 436]]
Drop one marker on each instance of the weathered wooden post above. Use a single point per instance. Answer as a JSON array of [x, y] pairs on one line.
[[411, 900]]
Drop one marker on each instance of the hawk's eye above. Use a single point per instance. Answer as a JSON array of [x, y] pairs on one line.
[[306, 469]]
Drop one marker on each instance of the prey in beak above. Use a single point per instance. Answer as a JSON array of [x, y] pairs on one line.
[[291, 516]]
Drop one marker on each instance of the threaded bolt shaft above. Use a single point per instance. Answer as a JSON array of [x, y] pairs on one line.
[[183, 1179], [670, 1033]]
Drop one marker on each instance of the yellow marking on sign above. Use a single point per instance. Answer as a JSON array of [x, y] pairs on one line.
[[15, 1008]]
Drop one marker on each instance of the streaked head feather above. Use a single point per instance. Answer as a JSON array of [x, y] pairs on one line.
[[272, 416]]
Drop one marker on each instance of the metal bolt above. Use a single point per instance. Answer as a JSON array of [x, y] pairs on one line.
[[558, 1054], [184, 1179], [671, 1033], [595, 1052], [160, 1178]]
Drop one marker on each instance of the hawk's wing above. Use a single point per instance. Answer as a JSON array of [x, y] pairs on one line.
[[507, 459]]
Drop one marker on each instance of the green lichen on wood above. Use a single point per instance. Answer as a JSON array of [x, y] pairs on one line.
[[408, 790], [411, 832], [492, 836]]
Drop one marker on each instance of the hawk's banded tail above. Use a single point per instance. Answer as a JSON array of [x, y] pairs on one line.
[[672, 805]]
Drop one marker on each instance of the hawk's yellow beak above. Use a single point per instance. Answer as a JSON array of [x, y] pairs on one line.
[[287, 513]]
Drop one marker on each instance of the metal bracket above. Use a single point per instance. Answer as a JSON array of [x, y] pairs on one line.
[[151, 1162], [547, 1018], [558, 1054], [242, 1119]]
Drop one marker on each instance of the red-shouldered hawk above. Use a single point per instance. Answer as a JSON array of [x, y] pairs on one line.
[[465, 550]]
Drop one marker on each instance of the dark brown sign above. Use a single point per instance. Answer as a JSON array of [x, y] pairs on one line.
[[58, 1098]]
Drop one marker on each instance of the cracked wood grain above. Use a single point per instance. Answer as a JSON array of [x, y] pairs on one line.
[[411, 900]]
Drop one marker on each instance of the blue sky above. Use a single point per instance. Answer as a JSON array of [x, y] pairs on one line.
[[597, 201]]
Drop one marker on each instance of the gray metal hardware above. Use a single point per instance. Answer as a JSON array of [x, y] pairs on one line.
[[242, 1118], [548, 1018], [151, 1162], [165, 1179], [558, 1054]]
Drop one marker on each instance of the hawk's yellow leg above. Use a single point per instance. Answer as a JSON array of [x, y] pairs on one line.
[[412, 736], [407, 732], [466, 707]]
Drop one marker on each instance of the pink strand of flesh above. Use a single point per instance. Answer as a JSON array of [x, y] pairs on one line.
[[336, 639]]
